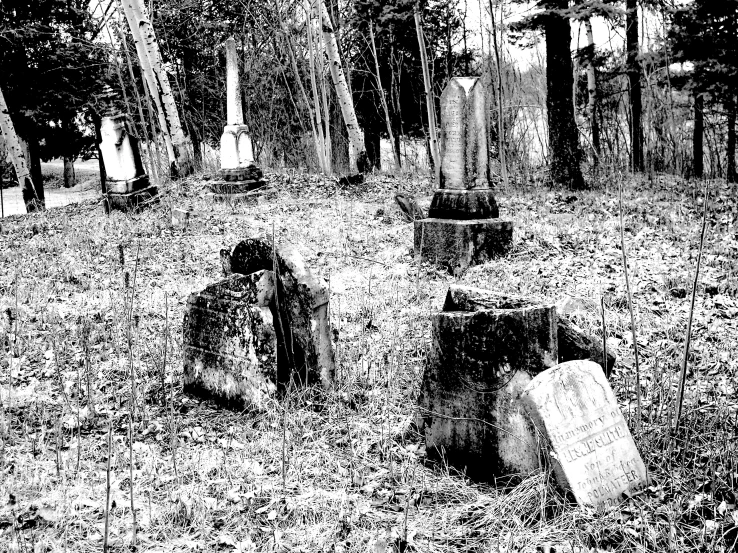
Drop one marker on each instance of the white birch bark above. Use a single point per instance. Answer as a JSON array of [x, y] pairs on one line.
[[324, 97], [15, 150], [356, 138], [149, 79], [314, 86]]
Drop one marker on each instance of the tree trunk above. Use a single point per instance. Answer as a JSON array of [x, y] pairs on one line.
[[182, 147], [563, 135], [70, 179], [372, 141], [20, 163], [731, 108], [356, 140], [699, 131], [430, 102], [634, 79], [592, 90], [383, 98], [500, 103]]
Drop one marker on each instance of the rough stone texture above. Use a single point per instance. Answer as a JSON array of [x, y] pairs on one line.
[[230, 343], [458, 244], [132, 201], [236, 150], [464, 151], [409, 208], [592, 451], [479, 363], [573, 343], [449, 203], [302, 302], [180, 217]]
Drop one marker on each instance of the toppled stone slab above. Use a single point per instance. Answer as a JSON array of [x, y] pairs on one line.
[[592, 451], [230, 343], [480, 361], [300, 307]]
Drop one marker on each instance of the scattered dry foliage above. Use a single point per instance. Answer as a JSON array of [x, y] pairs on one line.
[[345, 470]]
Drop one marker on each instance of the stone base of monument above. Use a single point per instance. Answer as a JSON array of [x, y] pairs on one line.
[[233, 184], [461, 243], [480, 361], [131, 201], [592, 451], [230, 342], [450, 203]]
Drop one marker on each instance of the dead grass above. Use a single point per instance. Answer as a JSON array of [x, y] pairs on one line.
[[356, 478]]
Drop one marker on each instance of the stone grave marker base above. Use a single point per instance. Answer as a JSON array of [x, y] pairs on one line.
[[132, 201], [457, 243], [450, 203]]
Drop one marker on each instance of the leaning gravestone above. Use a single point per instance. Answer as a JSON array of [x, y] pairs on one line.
[[238, 173], [126, 185], [593, 453], [462, 228], [481, 359], [273, 329]]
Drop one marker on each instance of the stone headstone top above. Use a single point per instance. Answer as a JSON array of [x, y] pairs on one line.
[[593, 452], [464, 155], [119, 149]]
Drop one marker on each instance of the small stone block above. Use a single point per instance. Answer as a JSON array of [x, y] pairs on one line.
[[233, 187], [592, 451], [180, 217], [134, 200], [459, 244], [127, 186], [230, 343]]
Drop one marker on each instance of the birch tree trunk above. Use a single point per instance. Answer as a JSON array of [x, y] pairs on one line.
[[149, 80], [592, 91], [18, 158], [356, 139], [316, 99], [320, 43], [430, 102], [500, 103], [382, 97]]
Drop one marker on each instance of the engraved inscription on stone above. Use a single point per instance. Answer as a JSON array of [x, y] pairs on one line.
[[453, 125], [593, 452]]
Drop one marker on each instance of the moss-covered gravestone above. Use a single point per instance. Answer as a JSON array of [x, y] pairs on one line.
[[463, 228]]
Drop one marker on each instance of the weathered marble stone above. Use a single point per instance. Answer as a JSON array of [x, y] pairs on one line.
[[236, 149], [464, 151], [462, 227], [230, 343], [479, 363], [459, 244], [592, 451], [302, 304], [180, 217], [127, 185]]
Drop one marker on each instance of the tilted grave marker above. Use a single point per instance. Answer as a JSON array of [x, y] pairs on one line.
[[592, 451]]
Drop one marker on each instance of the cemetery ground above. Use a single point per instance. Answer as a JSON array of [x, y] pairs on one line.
[[90, 378]]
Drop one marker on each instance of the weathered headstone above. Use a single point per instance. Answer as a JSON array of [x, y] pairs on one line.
[[230, 343], [127, 185], [592, 451], [264, 326], [238, 173], [180, 217], [481, 359], [462, 228]]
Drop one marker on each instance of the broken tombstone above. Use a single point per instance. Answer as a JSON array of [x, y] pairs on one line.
[[297, 305], [592, 452], [481, 359]]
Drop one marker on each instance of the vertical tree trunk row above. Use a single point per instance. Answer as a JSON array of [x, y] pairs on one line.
[[592, 91], [634, 80], [697, 137], [429, 97]]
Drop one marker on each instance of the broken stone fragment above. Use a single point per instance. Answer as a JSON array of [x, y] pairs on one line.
[[573, 343], [481, 359], [230, 343], [591, 449], [301, 309]]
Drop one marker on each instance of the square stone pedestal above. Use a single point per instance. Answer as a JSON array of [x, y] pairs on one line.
[[234, 183], [132, 201], [456, 243]]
